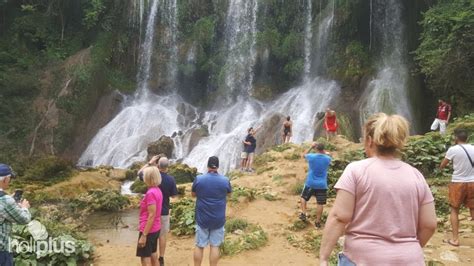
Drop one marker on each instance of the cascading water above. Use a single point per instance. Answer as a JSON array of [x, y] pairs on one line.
[[324, 29], [387, 92], [240, 37], [170, 15], [308, 38], [148, 116]]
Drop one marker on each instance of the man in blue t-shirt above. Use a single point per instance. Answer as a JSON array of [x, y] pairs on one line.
[[211, 190], [316, 181]]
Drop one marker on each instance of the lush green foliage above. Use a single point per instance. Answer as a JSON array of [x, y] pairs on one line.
[[446, 52], [243, 193], [81, 252], [234, 224], [183, 217]]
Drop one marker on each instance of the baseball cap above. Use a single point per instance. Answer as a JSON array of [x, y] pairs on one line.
[[320, 146], [213, 162], [6, 170]]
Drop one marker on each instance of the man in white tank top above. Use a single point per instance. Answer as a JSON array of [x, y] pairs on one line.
[[461, 189]]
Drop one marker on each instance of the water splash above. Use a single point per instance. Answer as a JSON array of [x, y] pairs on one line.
[[387, 92]]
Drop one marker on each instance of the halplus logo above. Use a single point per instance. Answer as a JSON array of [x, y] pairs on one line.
[[40, 242]]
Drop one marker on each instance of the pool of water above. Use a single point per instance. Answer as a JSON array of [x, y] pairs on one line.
[[113, 227]]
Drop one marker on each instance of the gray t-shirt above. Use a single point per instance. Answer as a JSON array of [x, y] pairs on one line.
[[463, 170]]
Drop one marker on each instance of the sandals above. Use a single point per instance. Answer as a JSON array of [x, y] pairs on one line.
[[451, 242], [302, 217]]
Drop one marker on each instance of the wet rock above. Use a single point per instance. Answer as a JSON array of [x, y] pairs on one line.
[[163, 145], [269, 132], [196, 135], [449, 256]]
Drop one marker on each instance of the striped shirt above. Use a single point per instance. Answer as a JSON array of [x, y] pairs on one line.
[[10, 212]]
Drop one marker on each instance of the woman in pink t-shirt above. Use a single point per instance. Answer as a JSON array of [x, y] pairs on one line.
[[383, 205], [150, 213]]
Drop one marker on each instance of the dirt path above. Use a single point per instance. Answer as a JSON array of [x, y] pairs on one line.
[[275, 217]]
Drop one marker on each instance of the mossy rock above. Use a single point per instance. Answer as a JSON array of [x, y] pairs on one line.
[[182, 173], [138, 187], [49, 169], [164, 145]]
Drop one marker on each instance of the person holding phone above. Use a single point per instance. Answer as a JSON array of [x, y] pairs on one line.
[[11, 212]]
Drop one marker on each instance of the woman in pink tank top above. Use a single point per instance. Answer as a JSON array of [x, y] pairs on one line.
[[383, 206]]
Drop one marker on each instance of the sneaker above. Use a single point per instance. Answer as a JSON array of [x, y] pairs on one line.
[[302, 217], [162, 261], [317, 225]]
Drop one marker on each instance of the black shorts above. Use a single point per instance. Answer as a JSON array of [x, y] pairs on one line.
[[320, 194], [151, 245]]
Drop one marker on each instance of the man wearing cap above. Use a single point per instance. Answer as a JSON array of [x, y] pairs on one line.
[[211, 190], [316, 181], [10, 212]]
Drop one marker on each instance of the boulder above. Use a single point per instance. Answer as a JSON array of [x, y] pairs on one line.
[[269, 133], [164, 145]]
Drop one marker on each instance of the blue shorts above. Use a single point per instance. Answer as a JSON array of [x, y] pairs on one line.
[[213, 237], [343, 260]]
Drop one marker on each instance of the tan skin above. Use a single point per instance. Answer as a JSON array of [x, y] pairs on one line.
[[287, 138], [341, 214], [454, 215]]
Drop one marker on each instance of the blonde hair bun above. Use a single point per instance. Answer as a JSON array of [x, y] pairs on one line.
[[388, 132]]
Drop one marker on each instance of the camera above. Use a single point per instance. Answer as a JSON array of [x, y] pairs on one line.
[[18, 194]]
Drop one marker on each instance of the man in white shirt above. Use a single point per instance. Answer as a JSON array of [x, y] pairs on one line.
[[461, 189]]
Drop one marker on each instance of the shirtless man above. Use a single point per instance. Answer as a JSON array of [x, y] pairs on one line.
[[287, 130]]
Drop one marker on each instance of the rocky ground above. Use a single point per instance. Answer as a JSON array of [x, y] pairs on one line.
[[289, 242]]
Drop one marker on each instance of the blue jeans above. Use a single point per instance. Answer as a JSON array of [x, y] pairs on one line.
[[342, 260], [213, 237], [6, 258]]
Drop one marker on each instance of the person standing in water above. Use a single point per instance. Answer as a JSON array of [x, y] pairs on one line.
[[287, 130], [330, 123]]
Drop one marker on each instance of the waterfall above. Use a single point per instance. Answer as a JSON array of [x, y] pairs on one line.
[[370, 26], [170, 15], [388, 91], [240, 37], [308, 38], [146, 51], [124, 140], [324, 29]]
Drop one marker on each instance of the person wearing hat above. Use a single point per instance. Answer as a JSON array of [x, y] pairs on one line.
[[316, 181], [211, 190], [10, 212]]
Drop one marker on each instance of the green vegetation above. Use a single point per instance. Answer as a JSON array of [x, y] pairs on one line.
[[48, 170], [298, 225], [446, 40], [282, 147], [101, 200], [242, 194], [139, 187], [182, 173], [183, 217], [262, 159], [82, 251], [235, 224], [250, 237]]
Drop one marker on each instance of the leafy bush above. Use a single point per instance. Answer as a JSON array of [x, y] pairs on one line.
[[81, 252], [298, 225], [183, 216], [441, 203], [139, 187], [253, 237], [182, 173], [102, 200], [49, 169], [181, 190], [426, 152], [130, 175]]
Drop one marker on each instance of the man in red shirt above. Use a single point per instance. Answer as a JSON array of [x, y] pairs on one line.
[[442, 116]]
